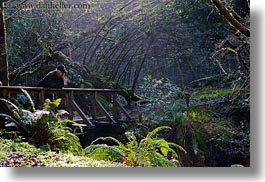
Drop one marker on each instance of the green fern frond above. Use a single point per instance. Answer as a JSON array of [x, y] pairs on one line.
[[177, 147], [132, 145], [130, 136], [149, 138], [158, 160], [162, 145], [157, 130], [91, 148], [48, 105], [104, 152], [121, 145], [67, 121], [149, 152]]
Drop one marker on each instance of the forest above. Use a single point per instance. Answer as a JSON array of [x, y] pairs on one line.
[[149, 83]]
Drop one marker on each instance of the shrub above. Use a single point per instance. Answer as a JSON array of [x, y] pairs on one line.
[[44, 126], [148, 152]]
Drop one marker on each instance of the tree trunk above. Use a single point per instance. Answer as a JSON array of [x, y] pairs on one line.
[[3, 48]]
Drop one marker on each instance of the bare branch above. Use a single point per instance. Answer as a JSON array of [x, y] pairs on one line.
[[230, 18]]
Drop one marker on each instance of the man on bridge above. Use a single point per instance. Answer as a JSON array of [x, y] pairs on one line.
[[54, 79]]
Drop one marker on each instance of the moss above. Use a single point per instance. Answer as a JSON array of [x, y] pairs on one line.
[[213, 93], [16, 153]]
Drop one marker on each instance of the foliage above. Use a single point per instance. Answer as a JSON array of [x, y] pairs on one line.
[[16, 153], [148, 152], [50, 106], [162, 42], [212, 93], [116, 39], [158, 90], [62, 138], [59, 135], [43, 126], [188, 126], [205, 126], [187, 123]]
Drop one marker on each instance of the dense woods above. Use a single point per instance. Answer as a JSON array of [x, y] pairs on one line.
[[183, 68]]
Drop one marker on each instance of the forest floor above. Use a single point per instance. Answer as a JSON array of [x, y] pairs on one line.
[[16, 153]]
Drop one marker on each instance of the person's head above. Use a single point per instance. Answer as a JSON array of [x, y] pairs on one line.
[[61, 70]]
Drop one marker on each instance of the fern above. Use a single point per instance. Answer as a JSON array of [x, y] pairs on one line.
[[42, 127], [120, 145], [148, 152], [157, 130], [104, 152], [49, 106]]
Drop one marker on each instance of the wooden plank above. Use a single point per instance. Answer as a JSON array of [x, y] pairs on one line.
[[124, 111], [114, 107], [5, 90], [94, 106], [68, 98], [81, 113], [51, 90], [2, 123], [104, 111], [41, 99], [5, 93]]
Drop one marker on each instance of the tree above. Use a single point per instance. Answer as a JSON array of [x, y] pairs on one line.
[[3, 48], [230, 18]]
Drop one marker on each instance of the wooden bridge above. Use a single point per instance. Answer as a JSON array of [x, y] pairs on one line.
[[98, 114]]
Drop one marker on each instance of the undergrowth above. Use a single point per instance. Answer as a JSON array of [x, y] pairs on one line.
[[212, 93], [151, 151], [16, 153], [203, 127]]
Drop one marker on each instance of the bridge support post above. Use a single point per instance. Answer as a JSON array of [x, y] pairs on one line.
[[4, 94], [69, 97], [115, 107], [94, 106], [41, 99], [2, 123]]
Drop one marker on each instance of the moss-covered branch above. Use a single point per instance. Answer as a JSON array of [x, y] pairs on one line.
[[230, 18]]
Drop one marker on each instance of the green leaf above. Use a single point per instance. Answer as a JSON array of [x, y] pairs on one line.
[[158, 129], [179, 11], [163, 145]]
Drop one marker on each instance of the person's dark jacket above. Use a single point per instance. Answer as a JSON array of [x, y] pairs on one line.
[[51, 80]]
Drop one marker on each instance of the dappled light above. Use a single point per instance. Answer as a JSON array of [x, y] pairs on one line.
[[125, 83]]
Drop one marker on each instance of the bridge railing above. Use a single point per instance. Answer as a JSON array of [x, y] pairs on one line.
[[71, 105]]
